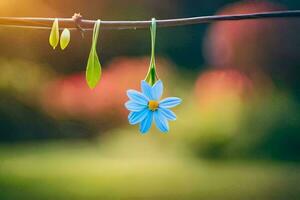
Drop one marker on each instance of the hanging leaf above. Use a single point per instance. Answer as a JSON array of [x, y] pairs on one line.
[[54, 35], [65, 38], [93, 69]]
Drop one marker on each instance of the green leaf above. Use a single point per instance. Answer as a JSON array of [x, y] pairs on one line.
[[93, 69], [65, 38], [54, 35]]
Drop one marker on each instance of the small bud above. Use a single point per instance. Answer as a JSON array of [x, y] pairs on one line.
[[54, 35], [151, 76], [65, 38]]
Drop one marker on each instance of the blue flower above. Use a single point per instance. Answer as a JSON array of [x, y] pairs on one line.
[[146, 106]]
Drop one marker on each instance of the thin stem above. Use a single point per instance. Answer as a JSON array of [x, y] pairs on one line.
[[151, 76], [46, 23], [153, 41], [96, 33]]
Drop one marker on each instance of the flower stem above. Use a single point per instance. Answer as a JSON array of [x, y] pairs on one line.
[[151, 76]]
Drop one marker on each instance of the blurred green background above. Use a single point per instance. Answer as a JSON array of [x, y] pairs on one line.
[[238, 130]]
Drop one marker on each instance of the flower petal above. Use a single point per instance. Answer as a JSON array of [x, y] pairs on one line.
[[168, 114], [137, 97], [170, 102], [161, 122], [137, 117], [146, 123], [146, 89], [157, 90], [134, 107]]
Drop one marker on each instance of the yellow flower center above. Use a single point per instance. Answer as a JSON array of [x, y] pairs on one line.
[[153, 105]]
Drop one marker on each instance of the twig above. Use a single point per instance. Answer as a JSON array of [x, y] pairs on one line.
[[46, 23]]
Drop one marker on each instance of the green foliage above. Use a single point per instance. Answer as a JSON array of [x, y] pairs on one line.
[[93, 70], [54, 35], [65, 38], [127, 167]]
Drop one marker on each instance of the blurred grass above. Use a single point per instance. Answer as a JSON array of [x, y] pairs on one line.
[[131, 166]]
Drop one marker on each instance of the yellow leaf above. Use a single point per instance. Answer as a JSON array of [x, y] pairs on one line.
[[54, 35], [65, 38]]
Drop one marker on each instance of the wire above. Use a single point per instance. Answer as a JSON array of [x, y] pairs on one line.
[[74, 23]]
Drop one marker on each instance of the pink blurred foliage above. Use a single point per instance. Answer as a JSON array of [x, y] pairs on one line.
[[214, 85], [221, 99], [267, 46], [70, 97]]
